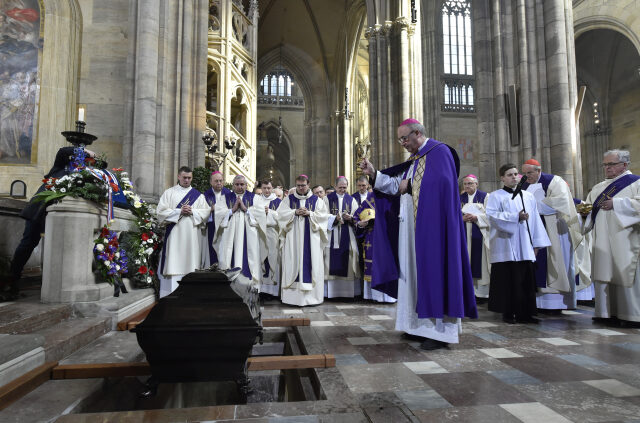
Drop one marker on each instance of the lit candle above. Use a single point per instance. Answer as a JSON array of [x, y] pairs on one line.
[[81, 114]]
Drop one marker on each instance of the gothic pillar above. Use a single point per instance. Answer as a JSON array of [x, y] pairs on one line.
[[145, 77], [560, 104]]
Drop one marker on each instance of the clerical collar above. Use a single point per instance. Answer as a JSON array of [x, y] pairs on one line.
[[270, 197], [626, 172], [339, 195], [509, 190], [361, 194], [302, 196]]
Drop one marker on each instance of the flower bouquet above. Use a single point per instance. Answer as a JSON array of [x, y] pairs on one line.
[[112, 261]]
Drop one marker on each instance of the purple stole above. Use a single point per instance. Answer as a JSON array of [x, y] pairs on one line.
[[339, 257], [190, 198], [610, 191], [273, 205], [476, 236], [310, 204], [365, 237], [210, 196], [247, 199], [444, 281], [356, 195]]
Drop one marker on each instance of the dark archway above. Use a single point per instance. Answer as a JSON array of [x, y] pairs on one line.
[[608, 66]]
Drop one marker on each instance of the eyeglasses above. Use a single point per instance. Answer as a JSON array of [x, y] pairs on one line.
[[611, 164], [404, 138]]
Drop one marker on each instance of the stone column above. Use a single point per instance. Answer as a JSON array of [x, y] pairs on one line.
[[143, 139], [560, 107], [484, 96]]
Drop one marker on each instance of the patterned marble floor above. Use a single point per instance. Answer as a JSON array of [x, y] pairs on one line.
[[565, 369]]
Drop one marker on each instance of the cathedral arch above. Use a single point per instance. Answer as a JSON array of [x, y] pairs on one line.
[[591, 23]]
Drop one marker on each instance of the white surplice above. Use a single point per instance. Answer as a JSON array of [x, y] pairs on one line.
[[407, 320], [292, 234], [271, 280], [342, 286], [509, 237], [615, 264], [563, 228], [585, 288], [481, 285], [251, 224], [183, 249]]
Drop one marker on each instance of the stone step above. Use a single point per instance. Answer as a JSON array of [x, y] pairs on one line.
[[64, 338], [22, 317]]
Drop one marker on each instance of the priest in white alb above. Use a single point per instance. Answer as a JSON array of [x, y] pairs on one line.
[[555, 270], [215, 194], [302, 218], [342, 268], [474, 215], [243, 226], [614, 223], [184, 211], [271, 265]]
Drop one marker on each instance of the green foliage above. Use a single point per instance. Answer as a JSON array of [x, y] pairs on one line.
[[200, 179]]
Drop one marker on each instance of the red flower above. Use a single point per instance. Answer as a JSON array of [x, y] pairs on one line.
[[104, 233], [151, 272], [117, 169], [144, 236], [142, 269], [90, 161], [155, 246]]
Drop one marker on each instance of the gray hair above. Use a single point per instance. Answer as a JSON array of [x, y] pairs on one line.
[[417, 127], [341, 178], [623, 155], [238, 177], [362, 178]]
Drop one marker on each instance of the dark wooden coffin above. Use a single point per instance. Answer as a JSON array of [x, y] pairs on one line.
[[203, 331]]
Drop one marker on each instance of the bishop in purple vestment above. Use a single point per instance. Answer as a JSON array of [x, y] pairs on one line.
[[434, 284]]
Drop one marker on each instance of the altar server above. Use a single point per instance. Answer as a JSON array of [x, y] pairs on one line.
[[516, 235]]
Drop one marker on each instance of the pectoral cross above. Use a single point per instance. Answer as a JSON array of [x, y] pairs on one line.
[[607, 195], [367, 244]]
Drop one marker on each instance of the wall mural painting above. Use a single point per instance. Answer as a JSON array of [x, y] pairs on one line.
[[465, 149], [20, 52]]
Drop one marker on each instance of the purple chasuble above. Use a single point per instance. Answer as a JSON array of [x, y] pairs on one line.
[[339, 257], [210, 196], [476, 236], [247, 200], [310, 204], [190, 198], [365, 236], [444, 281]]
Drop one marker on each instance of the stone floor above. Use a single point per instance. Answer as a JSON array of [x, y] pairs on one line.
[[565, 369]]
